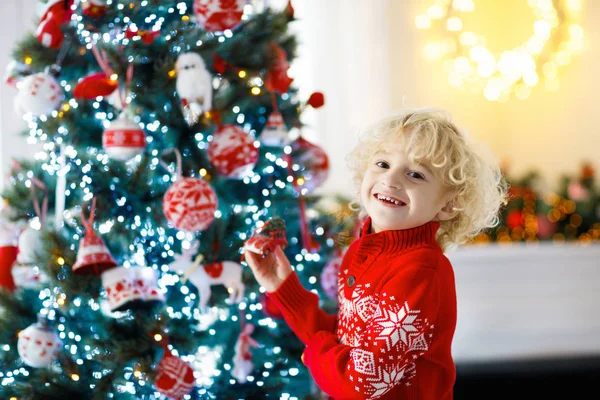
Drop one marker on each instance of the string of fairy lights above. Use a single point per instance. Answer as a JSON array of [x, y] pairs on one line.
[[206, 359], [466, 57]]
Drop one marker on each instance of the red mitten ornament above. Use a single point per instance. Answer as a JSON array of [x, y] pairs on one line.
[[123, 139], [267, 237], [38, 345], [219, 15], [175, 377], [56, 13], [232, 152], [315, 163], [94, 85], [94, 8], [39, 94]]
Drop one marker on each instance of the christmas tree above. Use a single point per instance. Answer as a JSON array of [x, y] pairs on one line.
[[171, 136]]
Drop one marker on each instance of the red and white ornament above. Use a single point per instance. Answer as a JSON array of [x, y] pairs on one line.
[[175, 377], [219, 15], [190, 204], [32, 245], [275, 132], [39, 94], [315, 163], [232, 152], [194, 86], [9, 236], [125, 285], [242, 359], [123, 139], [55, 14], [277, 79], [38, 345], [329, 277], [93, 8]]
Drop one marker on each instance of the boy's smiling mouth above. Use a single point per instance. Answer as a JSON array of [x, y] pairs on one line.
[[389, 200]]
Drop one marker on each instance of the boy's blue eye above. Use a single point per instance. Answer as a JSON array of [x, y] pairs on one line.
[[382, 164]]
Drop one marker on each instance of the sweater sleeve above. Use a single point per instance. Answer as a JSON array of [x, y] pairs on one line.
[[399, 331], [300, 309]]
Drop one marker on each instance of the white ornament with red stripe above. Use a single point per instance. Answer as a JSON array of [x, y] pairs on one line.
[[203, 276], [232, 152], [190, 204], [194, 86], [329, 277], [38, 345], [219, 15], [94, 8], [128, 286], [39, 94], [175, 377], [242, 359], [275, 132], [123, 139]]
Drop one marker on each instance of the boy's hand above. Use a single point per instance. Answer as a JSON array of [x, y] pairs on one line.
[[270, 271]]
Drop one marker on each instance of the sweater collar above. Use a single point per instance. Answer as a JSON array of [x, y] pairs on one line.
[[399, 240]]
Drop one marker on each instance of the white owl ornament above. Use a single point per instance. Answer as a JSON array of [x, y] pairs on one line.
[[194, 86]]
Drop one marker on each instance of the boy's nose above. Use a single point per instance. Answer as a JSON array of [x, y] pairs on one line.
[[392, 181]]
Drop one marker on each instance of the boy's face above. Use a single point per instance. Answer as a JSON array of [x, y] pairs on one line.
[[417, 195]]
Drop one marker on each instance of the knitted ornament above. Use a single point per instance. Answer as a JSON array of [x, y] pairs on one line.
[[123, 139], [127, 287], [93, 8], [194, 86], [232, 152], [267, 237], [39, 94], [9, 236], [93, 256], [94, 85], [190, 203], [219, 15], [175, 377], [275, 132], [38, 345], [315, 163], [329, 277], [55, 14]]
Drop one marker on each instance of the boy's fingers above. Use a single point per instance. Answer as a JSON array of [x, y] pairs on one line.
[[281, 257], [251, 260]]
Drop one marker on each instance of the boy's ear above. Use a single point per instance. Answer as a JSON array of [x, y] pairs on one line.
[[447, 212]]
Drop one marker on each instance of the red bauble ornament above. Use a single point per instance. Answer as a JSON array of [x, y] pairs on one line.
[[329, 277], [277, 78], [175, 377], [56, 13], [123, 139], [219, 15], [94, 85], [232, 152], [94, 8], [316, 100], [515, 219], [190, 204], [269, 308], [315, 163]]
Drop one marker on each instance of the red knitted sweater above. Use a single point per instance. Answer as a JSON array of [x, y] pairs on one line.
[[397, 313]]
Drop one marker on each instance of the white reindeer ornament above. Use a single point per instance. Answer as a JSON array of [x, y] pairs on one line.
[[203, 276], [194, 86]]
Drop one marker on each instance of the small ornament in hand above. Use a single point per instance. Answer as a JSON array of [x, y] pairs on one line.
[[269, 236]]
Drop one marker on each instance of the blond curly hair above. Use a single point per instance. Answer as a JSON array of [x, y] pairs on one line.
[[478, 189]]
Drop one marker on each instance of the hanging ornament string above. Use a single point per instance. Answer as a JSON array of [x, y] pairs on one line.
[[41, 212], [246, 340], [55, 68], [274, 102], [100, 56], [102, 60], [89, 223], [123, 89], [307, 241], [178, 167], [61, 185]]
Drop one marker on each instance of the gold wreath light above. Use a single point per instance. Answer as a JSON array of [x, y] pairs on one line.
[[470, 65]]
